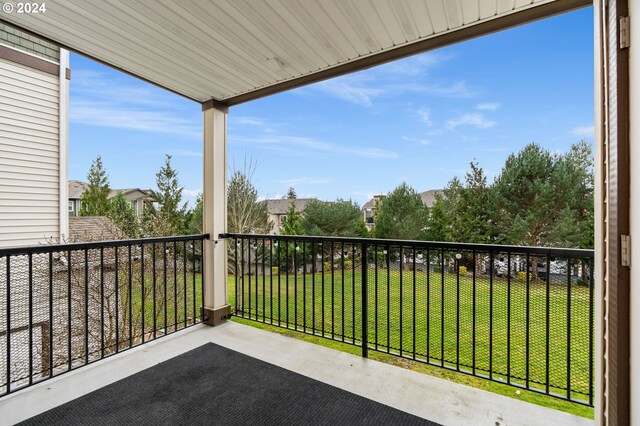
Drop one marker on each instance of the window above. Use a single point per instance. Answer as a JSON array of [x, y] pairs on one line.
[[70, 206], [283, 218]]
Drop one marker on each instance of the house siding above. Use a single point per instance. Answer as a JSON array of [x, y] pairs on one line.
[[29, 155]]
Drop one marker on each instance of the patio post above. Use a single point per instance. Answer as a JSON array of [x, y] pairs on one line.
[[214, 202]]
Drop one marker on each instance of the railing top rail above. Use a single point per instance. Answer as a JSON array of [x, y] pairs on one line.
[[46, 248], [492, 248]]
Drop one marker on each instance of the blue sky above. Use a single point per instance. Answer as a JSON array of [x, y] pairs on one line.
[[419, 120]]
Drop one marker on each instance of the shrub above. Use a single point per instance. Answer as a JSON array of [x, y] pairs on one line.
[[522, 275], [274, 270], [463, 270], [327, 266], [347, 264]]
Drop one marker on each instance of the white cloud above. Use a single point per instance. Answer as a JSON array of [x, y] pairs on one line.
[[583, 131], [351, 89], [416, 140], [298, 144], [192, 193], [246, 121], [474, 119], [185, 153], [425, 116], [488, 106], [305, 181], [125, 117], [100, 99]]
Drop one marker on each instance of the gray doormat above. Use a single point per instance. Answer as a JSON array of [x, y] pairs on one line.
[[214, 385]]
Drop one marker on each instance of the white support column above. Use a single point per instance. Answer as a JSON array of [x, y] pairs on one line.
[[214, 203], [63, 177]]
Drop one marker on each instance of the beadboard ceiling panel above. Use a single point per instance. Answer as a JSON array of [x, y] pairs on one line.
[[231, 51]]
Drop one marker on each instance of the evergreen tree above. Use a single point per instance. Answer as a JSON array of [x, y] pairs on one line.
[[196, 224], [439, 228], [292, 225], [473, 210], [95, 198], [527, 197], [291, 194], [169, 217], [339, 218], [402, 215], [124, 217]]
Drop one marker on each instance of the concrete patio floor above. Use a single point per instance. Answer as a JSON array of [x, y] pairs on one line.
[[431, 398]]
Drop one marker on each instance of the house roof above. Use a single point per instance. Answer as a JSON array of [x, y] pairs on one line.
[[76, 188], [93, 228], [232, 51], [281, 205], [428, 198]]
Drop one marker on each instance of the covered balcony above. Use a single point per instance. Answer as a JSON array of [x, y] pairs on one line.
[[119, 331]]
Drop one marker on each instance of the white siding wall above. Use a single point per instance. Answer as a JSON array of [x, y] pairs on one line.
[[29, 155]]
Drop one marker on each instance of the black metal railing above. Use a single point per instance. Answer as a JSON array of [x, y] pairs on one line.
[[516, 315], [65, 306]]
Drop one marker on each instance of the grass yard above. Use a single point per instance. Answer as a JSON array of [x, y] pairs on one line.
[[431, 317]]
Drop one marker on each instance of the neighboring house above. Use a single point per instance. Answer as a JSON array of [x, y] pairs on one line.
[[34, 94], [93, 228], [370, 209], [135, 196], [277, 210]]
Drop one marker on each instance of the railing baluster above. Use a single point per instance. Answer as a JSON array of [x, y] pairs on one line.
[[296, 248], [457, 263], [491, 267], [569, 328], [365, 337], [353, 294], [242, 275], [442, 318], [175, 286], [164, 290], [313, 289], [286, 252], [342, 253], [155, 279], [528, 314], [509, 317], [101, 302], [591, 308], [473, 314], [413, 326], [69, 328], [184, 282], [50, 315], [333, 318], [388, 257], [193, 279], [548, 320], [130, 293], [271, 282], [428, 305], [30, 276], [279, 286], [86, 306], [8, 273], [322, 285], [375, 251], [401, 296], [117, 291], [257, 299], [142, 293], [304, 288]]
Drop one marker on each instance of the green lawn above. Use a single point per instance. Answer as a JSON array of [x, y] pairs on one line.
[[440, 310]]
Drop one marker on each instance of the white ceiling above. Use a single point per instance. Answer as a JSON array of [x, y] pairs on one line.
[[221, 49]]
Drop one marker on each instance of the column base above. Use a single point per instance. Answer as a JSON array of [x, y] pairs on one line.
[[216, 316]]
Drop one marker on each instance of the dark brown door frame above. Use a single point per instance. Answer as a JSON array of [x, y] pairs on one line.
[[614, 405]]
